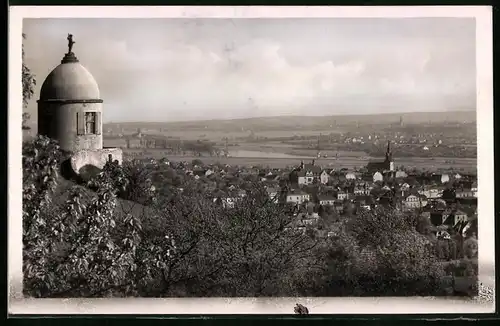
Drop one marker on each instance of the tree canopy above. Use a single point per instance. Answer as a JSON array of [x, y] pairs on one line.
[[29, 83]]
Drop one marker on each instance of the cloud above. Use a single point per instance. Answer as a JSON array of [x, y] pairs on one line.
[[187, 74], [150, 74]]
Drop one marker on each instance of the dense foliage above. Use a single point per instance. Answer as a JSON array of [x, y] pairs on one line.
[[69, 248], [131, 231]]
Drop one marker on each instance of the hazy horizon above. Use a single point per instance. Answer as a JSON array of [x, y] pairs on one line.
[[347, 115], [210, 69]]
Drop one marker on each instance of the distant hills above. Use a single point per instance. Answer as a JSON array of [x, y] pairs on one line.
[[280, 122]]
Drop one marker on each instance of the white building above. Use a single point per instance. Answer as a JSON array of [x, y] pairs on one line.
[[377, 176], [415, 202], [326, 200], [341, 195], [306, 178], [360, 191], [297, 197], [445, 178], [350, 176], [401, 174], [308, 174], [324, 177], [474, 189], [432, 193]]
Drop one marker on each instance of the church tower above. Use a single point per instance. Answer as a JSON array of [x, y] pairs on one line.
[[388, 157]]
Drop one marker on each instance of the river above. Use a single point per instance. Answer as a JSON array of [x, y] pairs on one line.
[[260, 154]]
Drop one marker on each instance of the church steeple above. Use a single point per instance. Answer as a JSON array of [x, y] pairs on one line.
[[388, 153], [388, 157]]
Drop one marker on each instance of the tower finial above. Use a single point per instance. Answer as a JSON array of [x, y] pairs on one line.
[[70, 56], [70, 42]]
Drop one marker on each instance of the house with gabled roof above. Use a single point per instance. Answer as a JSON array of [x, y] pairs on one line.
[[273, 193], [308, 173], [378, 177], [327, 200], [324, 177], [361, 190], [297, 197], [351, 176], [445, 178], [342, 195], [386, 188], [431, 192], [474, 188], [401, 174], [464, 193], [415, 201], [439, 216]]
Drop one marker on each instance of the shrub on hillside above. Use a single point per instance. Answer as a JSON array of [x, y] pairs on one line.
[[247, 250], [403, 260], [87, 173], [133, 180], [68, 250]]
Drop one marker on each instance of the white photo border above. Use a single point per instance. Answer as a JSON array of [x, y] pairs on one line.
[[201, 306]]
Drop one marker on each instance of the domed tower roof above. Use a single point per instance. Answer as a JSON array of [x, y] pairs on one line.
[[69, 81]]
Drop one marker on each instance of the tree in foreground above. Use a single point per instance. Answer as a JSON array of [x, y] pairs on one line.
[[377, 253], [76, 248], [29, 83], [249, 250]]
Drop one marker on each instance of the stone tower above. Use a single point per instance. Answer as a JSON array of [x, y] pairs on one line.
[[70, 111], [70, 107]]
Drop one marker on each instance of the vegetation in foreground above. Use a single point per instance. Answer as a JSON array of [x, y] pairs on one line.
[[83, 242]]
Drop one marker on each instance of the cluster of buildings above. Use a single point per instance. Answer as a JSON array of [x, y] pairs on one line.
[[447, 199]]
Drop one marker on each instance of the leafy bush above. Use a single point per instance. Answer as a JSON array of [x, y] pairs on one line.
[[88, 172], [384, 255], [69, 249], [241, 251]]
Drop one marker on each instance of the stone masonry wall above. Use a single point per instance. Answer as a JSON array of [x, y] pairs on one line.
[[97, 158]]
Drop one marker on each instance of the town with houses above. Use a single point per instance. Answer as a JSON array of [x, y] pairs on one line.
[[449, 200]]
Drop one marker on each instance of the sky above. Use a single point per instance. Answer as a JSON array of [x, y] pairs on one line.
[[197, 69]]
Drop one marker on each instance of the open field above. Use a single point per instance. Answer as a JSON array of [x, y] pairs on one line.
[[292, 149], [247, 143], [219, 135]]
